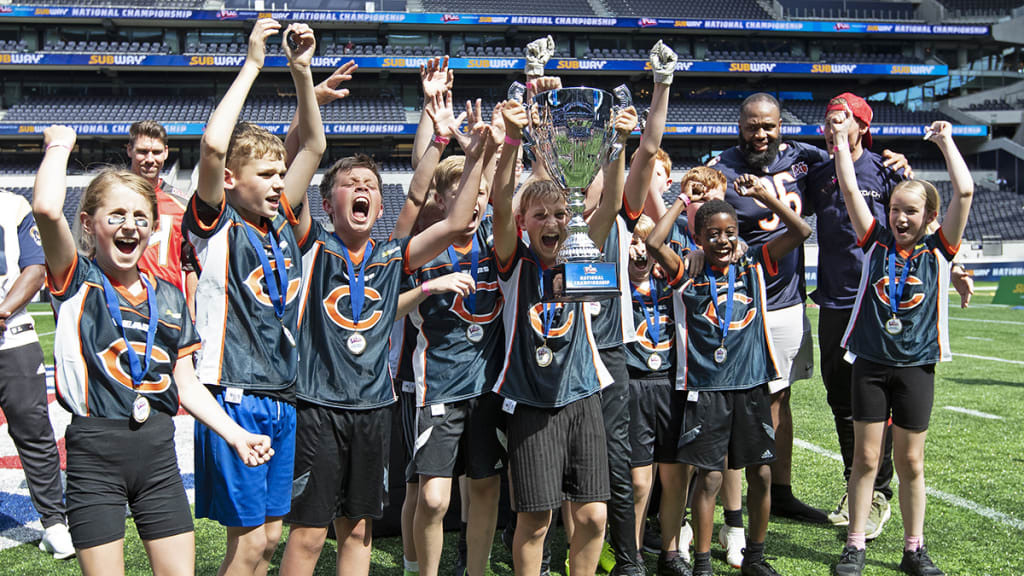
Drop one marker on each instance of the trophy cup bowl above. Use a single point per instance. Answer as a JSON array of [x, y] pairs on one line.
[[575, 137]]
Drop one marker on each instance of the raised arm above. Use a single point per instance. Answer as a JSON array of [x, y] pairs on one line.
[[641, 168], [310, 128], [458, 282], [657, 240], [955, 220], [458, 221], [796, 229], [505, 233], [213, 148], [603, 219], [860, 215], [436, 78], [326, 92], [48, 202]]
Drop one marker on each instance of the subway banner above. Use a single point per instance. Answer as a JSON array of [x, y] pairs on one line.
[[359, 128], [558, 65], [312, 17]]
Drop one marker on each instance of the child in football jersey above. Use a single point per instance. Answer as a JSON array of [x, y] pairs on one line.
[[728, 362], [896, 335], [238, 226], [123, 359], [655, 407], [349, 304], [552, 369]]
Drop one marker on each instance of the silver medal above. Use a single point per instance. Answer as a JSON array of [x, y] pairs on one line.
[[893, 326], [474, 333], [356, 343], [593, 308], [654, 362], [140, 409], [720, 354], [288, 335], [544, 356]]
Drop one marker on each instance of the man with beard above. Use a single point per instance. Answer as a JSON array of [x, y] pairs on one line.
[[783, 167]]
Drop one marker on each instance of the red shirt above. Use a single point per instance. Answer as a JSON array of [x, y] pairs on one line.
[[163, 256]]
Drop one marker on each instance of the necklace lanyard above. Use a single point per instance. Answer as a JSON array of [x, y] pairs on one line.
[[277, 280], [138, 369], [474, 259], [653, 326], [548, 315], [896, 287], [356, 282], [723, 320]]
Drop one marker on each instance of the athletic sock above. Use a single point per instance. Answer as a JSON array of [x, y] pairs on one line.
[[911, 543], [856, 539], [702, 561], [412, 568], [734, 518], [753, 552]]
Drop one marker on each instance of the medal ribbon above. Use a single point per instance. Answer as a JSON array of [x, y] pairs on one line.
[[138, 369], [548, 315], [277, 280], [653, 326], [723, 320], [896, 288], [356, 282], [474, 259]]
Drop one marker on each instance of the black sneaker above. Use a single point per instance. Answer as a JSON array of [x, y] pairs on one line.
[[676, 566], [757, 568], [630, 570], [918, 563], [703, 572], [796, 510], [851, 563]]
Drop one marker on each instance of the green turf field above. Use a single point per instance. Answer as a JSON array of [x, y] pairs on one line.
[[974, 469]]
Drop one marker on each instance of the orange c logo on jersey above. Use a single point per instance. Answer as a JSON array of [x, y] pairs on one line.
[[537, 322], [115, 363], [458, 306], [255, 282], [334, 310], [712, 316], [644, 340], [912, 300]]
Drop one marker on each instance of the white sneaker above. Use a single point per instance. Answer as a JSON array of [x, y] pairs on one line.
[[733, 540], [57, 541], [841, 515], [685, 540]]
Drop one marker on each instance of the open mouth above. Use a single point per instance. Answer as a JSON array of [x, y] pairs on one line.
[[640, 261], [549, 240], [361, 208], [126, 245]]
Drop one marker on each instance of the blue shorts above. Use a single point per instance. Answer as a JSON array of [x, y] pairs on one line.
[[232, 493]]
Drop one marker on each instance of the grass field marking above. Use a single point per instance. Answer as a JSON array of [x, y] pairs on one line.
[[953, 499], [978, 338], [47, 334], [970, 412], [1011, 322], [990, 358], [41, 313]]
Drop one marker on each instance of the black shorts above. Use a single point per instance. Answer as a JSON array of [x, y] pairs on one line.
[[341, 464], [558, 454], [464, 437], [655, 418], [112, 462], [733, 423], [906, 392], [407, 412]]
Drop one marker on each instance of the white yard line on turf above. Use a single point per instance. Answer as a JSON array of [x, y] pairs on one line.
[[1011, 322], [970, 412], [978, 338], [990, 358], [953, 499]]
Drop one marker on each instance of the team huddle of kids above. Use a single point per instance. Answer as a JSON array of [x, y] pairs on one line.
[[295, 341]]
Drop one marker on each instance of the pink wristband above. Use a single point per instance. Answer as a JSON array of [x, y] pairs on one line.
[[426, 290], [442, 140], [836, 148], [513, 141], [59, 145], [530, 85]]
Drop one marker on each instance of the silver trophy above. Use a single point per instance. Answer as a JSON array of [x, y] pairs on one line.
[[575, 137]]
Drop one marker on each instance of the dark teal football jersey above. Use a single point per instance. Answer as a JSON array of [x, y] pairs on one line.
[[612, 318], [331, 373], [92, 371], [924, 335], [659, 318]]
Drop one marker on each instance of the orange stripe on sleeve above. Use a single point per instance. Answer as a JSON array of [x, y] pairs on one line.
[[58, 287], [770, 265], [862, 241], [189, 350]]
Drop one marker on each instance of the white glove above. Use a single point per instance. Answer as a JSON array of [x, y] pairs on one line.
[[663, 63], [538, 53]]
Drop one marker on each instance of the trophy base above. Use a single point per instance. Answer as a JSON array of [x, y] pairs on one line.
[[581, 282]]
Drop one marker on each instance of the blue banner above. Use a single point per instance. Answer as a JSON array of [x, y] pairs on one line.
[[312, 17], [358, 128], [557, 65]]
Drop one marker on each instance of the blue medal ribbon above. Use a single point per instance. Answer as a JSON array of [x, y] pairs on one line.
[[277, 280], [474, 259], [723, 320], [356, 282], [548, 315], [896, 288], [653, 326], [138, 369]]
